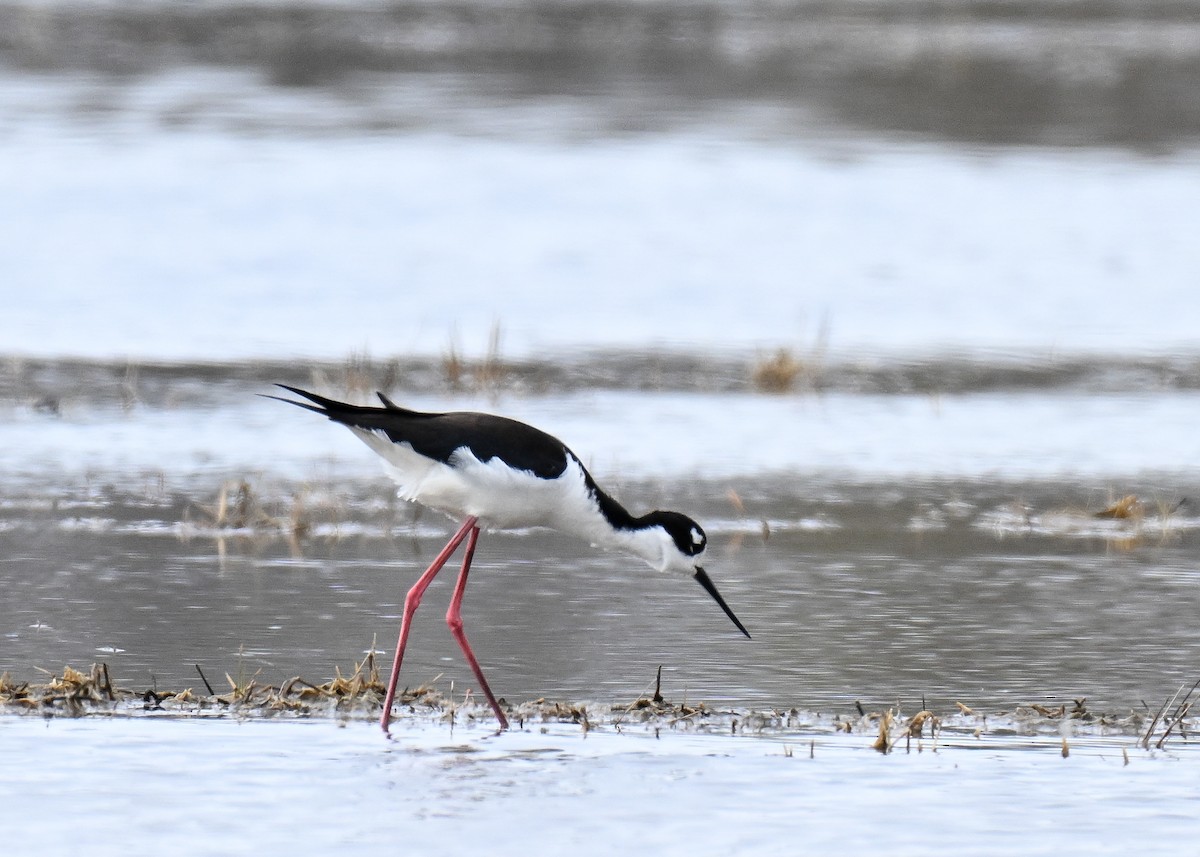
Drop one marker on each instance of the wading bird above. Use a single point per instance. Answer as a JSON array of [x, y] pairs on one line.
[[498, 473]]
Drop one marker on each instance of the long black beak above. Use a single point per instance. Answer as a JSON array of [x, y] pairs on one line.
[[704, 580]]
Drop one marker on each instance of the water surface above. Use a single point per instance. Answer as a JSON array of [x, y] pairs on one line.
[[188, 782]]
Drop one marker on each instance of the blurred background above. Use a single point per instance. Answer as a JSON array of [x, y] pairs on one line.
[[900, 297], [225, 180]]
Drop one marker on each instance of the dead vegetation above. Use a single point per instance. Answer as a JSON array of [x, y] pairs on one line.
[[889, 727], [777, 373], [240, 512], [359, 694], [237, 507], [656, 707], [358, 376], [1122, 524], [1172, 718], [1128, 508], [783, 371], [73, 692], [485, 374], [1137, 523]]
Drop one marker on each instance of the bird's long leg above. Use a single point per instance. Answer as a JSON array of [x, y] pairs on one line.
[[413, 600], [454, 620]]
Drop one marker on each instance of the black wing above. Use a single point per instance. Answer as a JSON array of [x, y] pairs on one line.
[[440, 435]]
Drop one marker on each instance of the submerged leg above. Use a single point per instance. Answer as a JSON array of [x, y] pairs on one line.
[[413, 600], [454, 620]]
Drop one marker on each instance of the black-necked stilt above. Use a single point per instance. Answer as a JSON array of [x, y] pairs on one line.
[[499, 473]]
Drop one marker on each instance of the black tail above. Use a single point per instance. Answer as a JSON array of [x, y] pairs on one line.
[[334, 409], [325, 405]]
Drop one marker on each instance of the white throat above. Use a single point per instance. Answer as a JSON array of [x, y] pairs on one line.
[[656, 547]]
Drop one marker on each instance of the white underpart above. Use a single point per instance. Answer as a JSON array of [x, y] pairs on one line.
[[503, 498]]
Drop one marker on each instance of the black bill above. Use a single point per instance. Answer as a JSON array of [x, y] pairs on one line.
[[704, 580]]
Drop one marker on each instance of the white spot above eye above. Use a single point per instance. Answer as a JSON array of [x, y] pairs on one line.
[[697, 537]]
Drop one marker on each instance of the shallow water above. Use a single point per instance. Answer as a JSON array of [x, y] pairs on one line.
[[234, 788], [928, 563]]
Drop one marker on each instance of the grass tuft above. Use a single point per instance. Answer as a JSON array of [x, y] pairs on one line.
[[485, 375], [777, 373]]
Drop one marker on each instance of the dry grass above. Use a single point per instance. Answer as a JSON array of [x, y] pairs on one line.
[[73, 691], [238, 512], [883, 740], [130, 397], [783, 371], [237, 507], [1128, 508], [655, 706], [1123, 523], [916, 726], [359, 693], [1136, 518], [891, 730], [1172, 718], [486, 374], [76, 693], [359, 376], [777, 373]]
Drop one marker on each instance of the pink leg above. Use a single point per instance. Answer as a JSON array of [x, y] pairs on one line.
[[413, 600], [454, 620]]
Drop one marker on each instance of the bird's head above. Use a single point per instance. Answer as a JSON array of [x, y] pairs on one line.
[[684, 542], [683, 547]]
